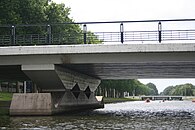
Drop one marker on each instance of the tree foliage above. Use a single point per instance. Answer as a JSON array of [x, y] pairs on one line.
[[133, 87], [41, 13], [180, 90], [153, 89], [22, 12]]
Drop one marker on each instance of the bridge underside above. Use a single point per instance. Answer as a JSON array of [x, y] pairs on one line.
[[116, 70], [12, 73], [136, 70]]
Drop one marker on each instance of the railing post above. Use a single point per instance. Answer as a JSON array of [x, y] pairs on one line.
[[13, 36], [85, 33], [122, 32], [48, 34], [159, 32]]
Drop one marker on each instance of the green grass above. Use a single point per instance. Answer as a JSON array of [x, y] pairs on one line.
[[5, 96], [5, 100], [115, 100]]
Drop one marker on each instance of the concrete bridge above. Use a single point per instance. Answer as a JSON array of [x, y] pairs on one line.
[[69, 75]]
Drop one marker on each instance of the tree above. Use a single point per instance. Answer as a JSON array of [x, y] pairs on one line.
[[118, 87], [154, 90], [183, 90], [25, 12], [42, 13]]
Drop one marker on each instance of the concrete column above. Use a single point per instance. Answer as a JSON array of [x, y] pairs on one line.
[[105, 92], [117, 94], [24, 85], [114, 93]]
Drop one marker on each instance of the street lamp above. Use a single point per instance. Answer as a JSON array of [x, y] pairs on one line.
[[85, 33], [159, 32], [122, 32]]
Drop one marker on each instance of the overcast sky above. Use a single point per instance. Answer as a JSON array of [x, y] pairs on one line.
[[110, 10], [119, 10]]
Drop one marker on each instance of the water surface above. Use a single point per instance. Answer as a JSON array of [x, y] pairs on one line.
[[138, 115]]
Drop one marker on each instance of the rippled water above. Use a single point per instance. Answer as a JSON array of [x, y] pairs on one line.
[[156, 115]]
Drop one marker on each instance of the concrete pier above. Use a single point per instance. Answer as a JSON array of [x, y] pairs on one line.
[[64, 90], [31, 104], [48, 104]]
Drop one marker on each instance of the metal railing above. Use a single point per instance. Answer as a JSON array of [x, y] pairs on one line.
[[11, 35]]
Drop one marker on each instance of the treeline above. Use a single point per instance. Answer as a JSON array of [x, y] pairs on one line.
[[180, 90], [48, 17], [118, 88]]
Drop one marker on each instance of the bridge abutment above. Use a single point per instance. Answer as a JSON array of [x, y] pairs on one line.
[[63, 90]]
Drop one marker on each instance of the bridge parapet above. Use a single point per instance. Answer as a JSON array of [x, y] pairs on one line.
[[149, 31]]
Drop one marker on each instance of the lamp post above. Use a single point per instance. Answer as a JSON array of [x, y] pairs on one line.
[[48, 34], [159, 32], [85, 33], [122, 32], [13, 38]]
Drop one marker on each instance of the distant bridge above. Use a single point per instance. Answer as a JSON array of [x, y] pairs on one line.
[[160, 97], [68, 75]]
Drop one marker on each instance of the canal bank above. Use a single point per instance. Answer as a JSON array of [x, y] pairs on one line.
[[118, 100], [5, 102]]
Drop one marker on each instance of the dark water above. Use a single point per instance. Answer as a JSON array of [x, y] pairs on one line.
[[156, 115]]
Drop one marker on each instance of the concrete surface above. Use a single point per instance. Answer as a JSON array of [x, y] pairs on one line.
[[31, 104], [121, 61], [96, 48]]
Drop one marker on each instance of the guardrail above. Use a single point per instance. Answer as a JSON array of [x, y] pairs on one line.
[[11, 35]]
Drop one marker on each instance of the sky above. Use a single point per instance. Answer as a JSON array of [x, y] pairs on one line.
[[127, 10], [110, 10]]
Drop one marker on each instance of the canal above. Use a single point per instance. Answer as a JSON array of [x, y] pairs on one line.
[[138, 115]]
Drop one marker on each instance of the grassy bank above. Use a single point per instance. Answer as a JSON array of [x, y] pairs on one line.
[[5, 96], [116, 100], [5, 100]]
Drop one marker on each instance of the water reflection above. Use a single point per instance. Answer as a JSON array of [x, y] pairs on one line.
[[130, 115]]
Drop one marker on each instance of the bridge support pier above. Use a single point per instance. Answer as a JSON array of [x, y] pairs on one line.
[[63, 90]]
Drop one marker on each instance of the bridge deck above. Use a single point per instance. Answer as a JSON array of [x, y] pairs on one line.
[[121, 61]]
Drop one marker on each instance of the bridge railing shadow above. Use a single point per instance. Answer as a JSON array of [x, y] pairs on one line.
[[63, 34]]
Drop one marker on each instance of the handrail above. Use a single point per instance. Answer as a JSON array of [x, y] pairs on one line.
[[13, 35], [100, 22]]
